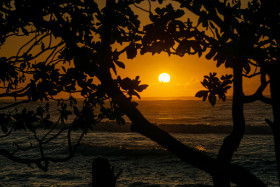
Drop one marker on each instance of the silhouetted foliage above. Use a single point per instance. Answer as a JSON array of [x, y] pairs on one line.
[[215, 87], [74, 48], [62, 38], [245, 40], [238, 38]]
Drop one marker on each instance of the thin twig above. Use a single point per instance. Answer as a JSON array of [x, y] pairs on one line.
[[53, 52], [21, 148], [14, 104], [27, 43], [8, 133], [54, 126], [141, 8], [16, 93]]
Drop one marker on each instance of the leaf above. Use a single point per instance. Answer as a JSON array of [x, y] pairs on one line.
[[212, 99], [47, 116], [202, 93], [76, 111], [114, 68], [72, 101], [120, 64], [89, 81], [47, 123], [43, 47], [4, 128], [212, 25], [199, 21], [211, 54], [63, 68], [47, 106], [182, 48], [226, 88], [172, 27], [134, 104], [132, 92], [131, 51], [220, 60], [141, 87], [222, 96], [24, 31], [247, 68], [40, 111], [120, 121], [125, 83]]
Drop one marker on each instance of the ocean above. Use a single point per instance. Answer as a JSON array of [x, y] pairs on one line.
[[144, 163]]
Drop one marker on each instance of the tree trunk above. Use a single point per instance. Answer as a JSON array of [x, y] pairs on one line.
[[275, 96], [231, 142]]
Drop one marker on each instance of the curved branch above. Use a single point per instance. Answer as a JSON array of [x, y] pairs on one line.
[[258, 95], [45, 159], [16, 93], [27, 43], [54, 52], [252, 75], [141, 8], [8, 133], [21, 148], [14, 104]]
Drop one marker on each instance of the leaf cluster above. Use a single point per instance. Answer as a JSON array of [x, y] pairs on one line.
[[124, 24], [168, 33], [159, 35], [26, 119], [215, 86], [131, 86]]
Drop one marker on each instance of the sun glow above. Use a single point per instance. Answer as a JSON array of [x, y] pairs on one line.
[[164, 77]]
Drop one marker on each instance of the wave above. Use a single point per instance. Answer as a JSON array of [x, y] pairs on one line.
[[115, 151], [143, 184], [217, 129], [186, 128]]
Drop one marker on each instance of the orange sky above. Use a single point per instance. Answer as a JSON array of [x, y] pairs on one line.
[[185, 72]]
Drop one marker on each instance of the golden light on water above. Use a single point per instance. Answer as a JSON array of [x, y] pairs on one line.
[[164, 77], [200, 148]]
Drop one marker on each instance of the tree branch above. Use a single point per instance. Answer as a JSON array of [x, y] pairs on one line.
[[16, 93], [148, 11], [8, 133], [14, 104], [258, 95]]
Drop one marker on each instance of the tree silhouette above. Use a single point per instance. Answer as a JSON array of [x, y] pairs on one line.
[[42, 68], [192, 41], [231, 40], [266, 55], [73, 44], [243, 39]]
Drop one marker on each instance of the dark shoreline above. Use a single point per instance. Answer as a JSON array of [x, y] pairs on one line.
[[183, 128]]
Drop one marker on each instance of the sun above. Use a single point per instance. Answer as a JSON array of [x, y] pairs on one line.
[[164, 77]]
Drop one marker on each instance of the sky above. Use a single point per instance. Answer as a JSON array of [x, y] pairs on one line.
[[186, 72]]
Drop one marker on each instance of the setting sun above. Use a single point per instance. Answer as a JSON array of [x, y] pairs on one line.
[[164, 77]]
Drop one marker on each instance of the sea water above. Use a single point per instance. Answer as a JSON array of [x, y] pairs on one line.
[[144, 163]]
